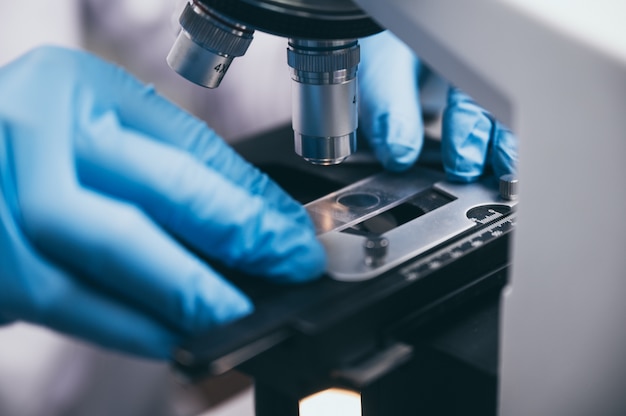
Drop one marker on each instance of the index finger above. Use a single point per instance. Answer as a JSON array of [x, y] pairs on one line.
[[391, 114], [140, 108]]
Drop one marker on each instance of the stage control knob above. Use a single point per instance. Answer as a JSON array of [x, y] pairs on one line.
[[509, 187], [375, 250]]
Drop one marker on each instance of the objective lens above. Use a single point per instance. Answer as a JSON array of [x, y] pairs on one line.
[[324, 97], [206, 45], [324, 93]]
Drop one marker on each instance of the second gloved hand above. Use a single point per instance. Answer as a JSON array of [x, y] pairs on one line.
[[391, 117], [104, 188], [471, 138], [389, 104]]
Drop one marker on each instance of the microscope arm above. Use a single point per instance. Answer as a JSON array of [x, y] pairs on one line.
[[555, 73]]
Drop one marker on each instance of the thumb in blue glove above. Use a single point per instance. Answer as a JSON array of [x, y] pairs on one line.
[[471, 138], [104, 185], [390, 109], [389, 77]]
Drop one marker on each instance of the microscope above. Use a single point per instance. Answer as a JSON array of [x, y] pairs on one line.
[[556, 75], [323, 54]]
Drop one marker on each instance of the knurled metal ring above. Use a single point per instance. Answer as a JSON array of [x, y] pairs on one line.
[[328, 62], [212, 34]]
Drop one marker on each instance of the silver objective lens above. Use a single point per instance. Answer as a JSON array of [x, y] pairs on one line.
[[206, 45], [324, 98]]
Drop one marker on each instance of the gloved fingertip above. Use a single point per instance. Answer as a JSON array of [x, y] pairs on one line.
[[239, 307], [461, 177], [397, 141], [161, 350], [456, 97], [313, 264], [399, 157], [305, 264], [466, 133], [207, 300], [504, 152], [231, 306], [504, 168]]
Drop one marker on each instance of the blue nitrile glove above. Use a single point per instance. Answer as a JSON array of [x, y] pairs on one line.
[[391, 116], [471, 138], [389, 105], [104, 185]]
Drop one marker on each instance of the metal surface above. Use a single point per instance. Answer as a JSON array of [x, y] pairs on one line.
[[303, 338], [344, 9], [333, 219], [375, 249], [509, 187], [207, 45], [323, 55], [304, 19], [324, 98]]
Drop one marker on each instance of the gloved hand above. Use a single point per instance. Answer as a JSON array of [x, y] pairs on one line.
[[471, 138], [104, 185], [391, 119]]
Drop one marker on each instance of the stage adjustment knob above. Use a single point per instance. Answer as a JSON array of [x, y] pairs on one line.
[[509, 187], [375, 250]]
